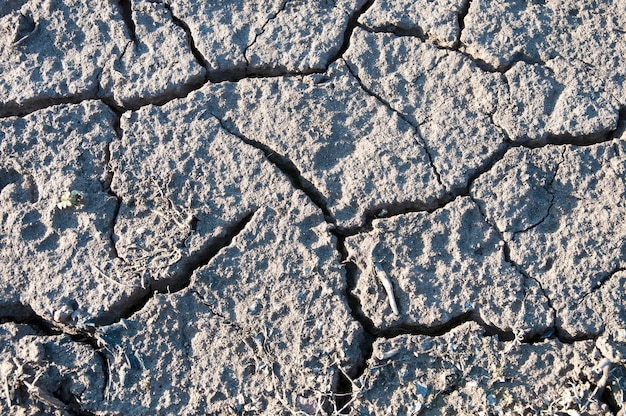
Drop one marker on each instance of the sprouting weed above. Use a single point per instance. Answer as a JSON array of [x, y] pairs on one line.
[[69, 199]]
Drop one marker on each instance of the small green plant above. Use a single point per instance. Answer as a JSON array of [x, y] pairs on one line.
[[69, 199]]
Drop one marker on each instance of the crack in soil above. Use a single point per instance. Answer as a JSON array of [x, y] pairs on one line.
[[548, 188], [420, 140], [353, 22], [343, 393], [460, 18], [288, 168], [390, 210], [127, 16], [419, 34], [400, 208], [182, 278], [190, 40], [261, 31], [108, 180], [80, 334], [39, 103], [24, 314], [556, 331], [602, 282]]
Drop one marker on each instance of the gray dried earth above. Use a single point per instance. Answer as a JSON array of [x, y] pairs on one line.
[[364, 207]]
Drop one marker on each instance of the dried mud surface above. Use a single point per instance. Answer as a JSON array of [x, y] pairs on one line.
[[312, 207]]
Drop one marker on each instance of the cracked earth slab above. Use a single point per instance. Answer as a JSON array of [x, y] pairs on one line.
[[262, 328], [53, 54], [502, 33], [43, 155], [357, 153], [437, 93], [380, 207], [570, 236], [184, 182], [465, 372], [155, 64], [442, 266]]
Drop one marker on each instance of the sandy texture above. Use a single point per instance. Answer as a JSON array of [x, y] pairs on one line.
[[300, 207]]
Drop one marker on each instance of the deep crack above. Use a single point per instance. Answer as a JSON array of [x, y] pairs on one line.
[[182, 277], [191, 42], [390, 210], [108, 180], [343, 392], [202, 257], [288, 168], [461, 20], [31, 105], [353, 22], [21, 313], [419, 141], [127, 15]]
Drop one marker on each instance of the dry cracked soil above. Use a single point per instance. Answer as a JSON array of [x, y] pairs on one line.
[[362, 207]]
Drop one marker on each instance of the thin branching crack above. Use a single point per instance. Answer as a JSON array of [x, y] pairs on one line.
[[216, 313], [602, 282], [419, 141], [458, 47], [261, 31], [548, 188], [520, 269], [391, 210]]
